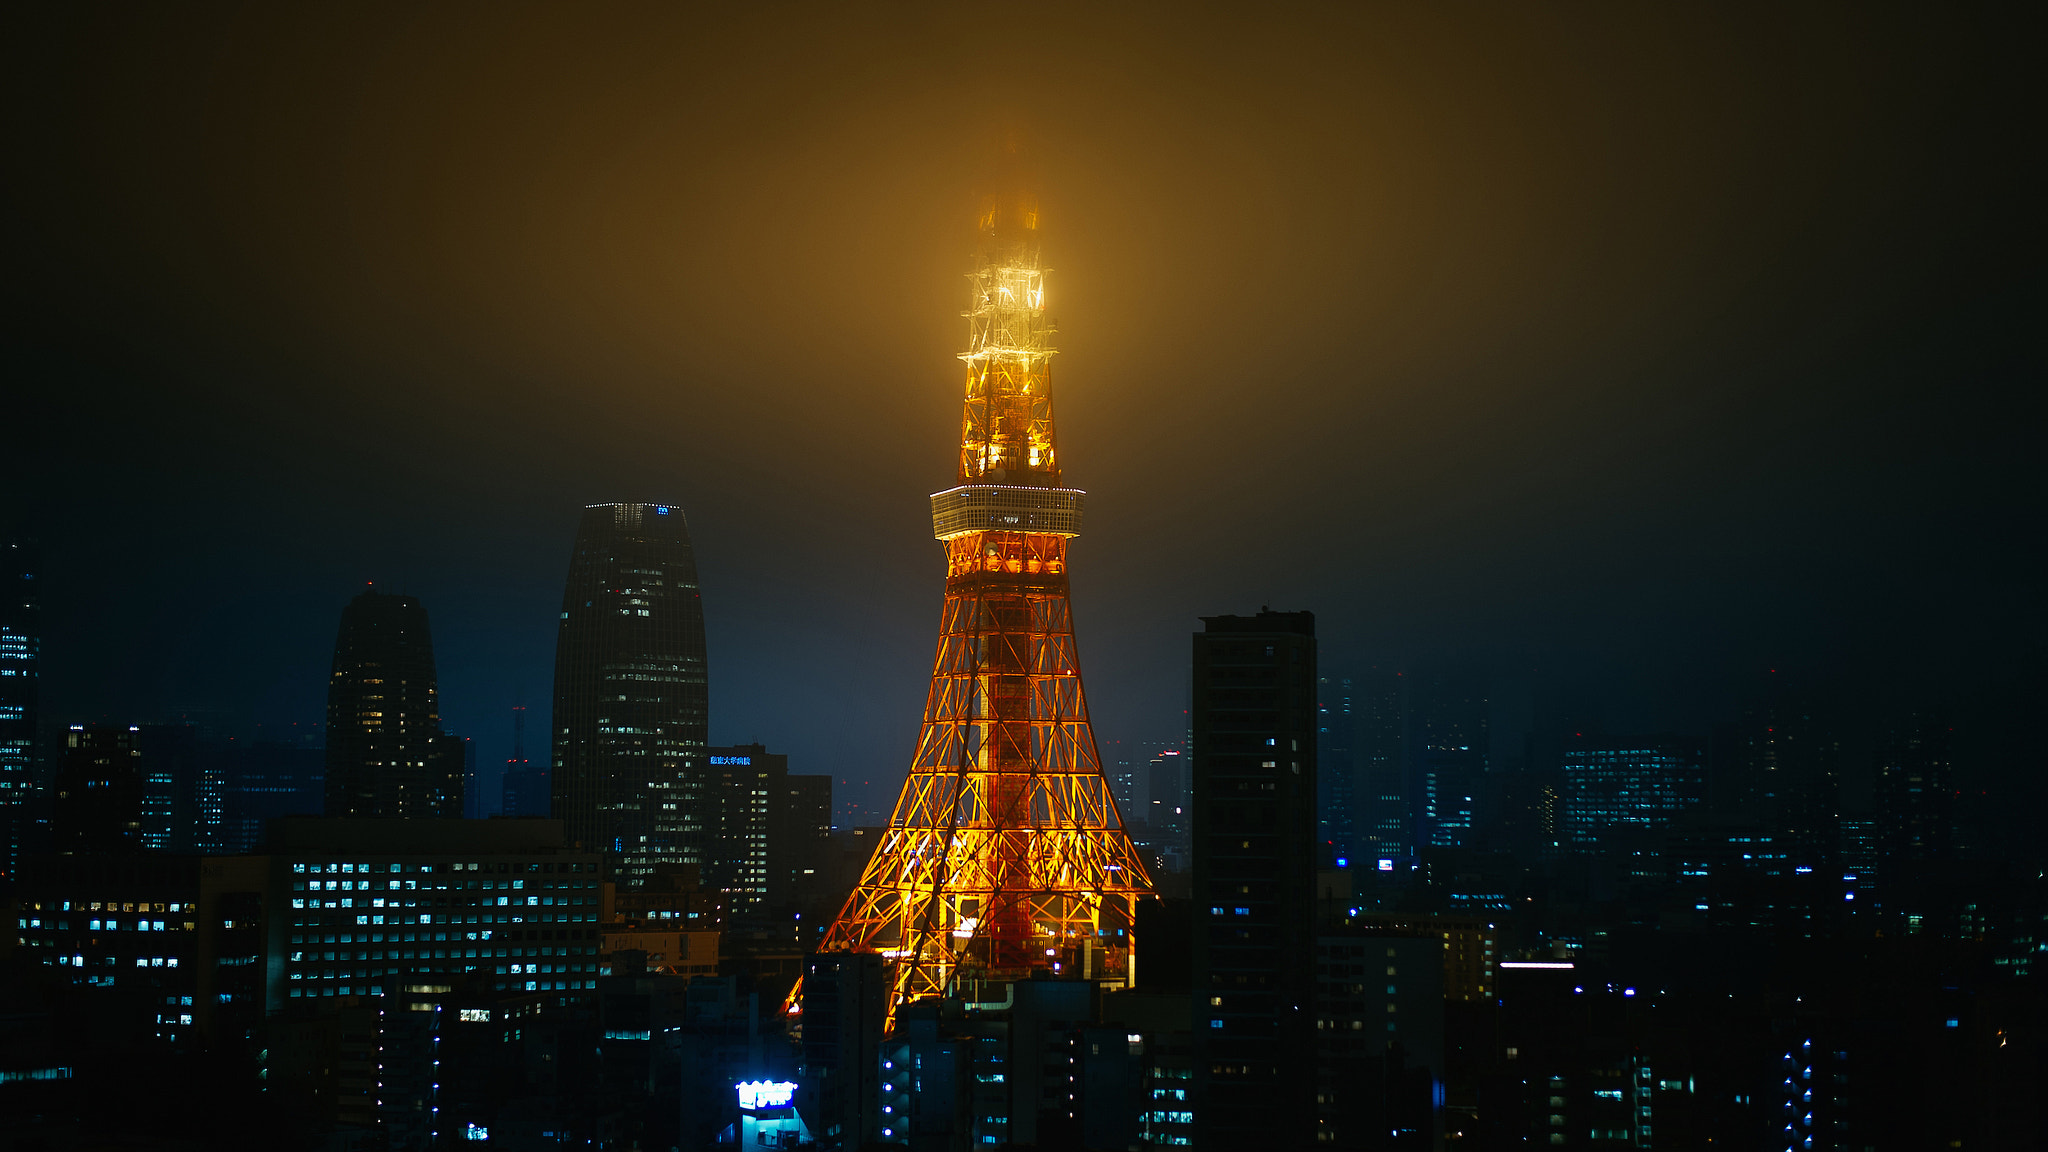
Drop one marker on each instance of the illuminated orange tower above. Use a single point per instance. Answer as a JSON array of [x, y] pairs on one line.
[[1006, 852]]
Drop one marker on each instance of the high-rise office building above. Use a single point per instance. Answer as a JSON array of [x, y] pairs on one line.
[[1618, 793], [1337, 766], [1166, 815], [1378, 1053], [800, 847], [1385, 824], [384, 716], [1123, 779], [744, 787], [1788, 761], [21, 638], [1254, 760], [1916, 792], [1447, 725], [631, 695], [100, 792], [181, 769]]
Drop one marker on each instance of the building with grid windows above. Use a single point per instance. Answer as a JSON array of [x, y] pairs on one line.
[[100, 802], [1254, 761], [631, 695], [1619, 789], [125, 925], [20, 675], [422, 908], [385, 754]]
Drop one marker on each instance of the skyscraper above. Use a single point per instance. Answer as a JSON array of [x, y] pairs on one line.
[[1006, 856], [1254, 759], [21, 638], [1916, 792], [1789, 759], [1620, 792], [100, 791], [1337, 766], [384, 716], [1385, 825], [631, 695], [1447, 724], [745, 785]]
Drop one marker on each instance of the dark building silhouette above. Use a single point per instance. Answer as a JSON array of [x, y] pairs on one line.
[[1254, 775], [1338, 775], [745, 786], [846, 998], [800, 848], [1449, 744], [523, 789], [21, 639], [1916, 792], [1379, 1036], [630, 691], [1166, 815], [100, 791], [384, 717], [1620, 793], [1385, 825], [1788, 763], [270, 779], [180, 769]]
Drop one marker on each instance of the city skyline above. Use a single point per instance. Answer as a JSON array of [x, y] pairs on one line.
[[1519, 379], [1560, 589]]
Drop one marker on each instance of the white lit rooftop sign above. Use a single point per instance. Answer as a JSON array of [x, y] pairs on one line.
[[758, 1094], [741, 760]]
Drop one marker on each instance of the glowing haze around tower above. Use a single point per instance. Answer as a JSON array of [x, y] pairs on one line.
[[1005, 853]]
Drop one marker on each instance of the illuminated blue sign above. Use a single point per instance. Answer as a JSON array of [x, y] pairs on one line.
[[745, 760], [757, 1094]]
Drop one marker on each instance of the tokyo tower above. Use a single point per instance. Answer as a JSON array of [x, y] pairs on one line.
[[1005, 853]]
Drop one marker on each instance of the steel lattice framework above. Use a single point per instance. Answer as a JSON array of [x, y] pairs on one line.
[[1006, 852]]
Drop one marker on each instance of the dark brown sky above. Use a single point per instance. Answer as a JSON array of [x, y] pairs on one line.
[[1623, 350]]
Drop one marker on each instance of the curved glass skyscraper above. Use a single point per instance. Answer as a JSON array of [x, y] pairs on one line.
[[385, 756], [631, 702]]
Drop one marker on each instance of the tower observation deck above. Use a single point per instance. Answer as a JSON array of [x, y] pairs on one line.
[[1005, 854]]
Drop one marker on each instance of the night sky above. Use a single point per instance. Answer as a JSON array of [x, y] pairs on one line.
[[1628, 353]]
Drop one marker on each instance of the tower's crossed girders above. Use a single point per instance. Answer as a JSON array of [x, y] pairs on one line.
[[1005, 852]]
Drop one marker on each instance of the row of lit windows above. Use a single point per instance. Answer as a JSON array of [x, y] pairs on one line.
[[313, 957], [111, 925], [79, 961], [332, 868], [112, 906]]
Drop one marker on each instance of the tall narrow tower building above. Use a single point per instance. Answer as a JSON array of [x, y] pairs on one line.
[[1006, 856], [384, 758], [630, 691], [21, 638]]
